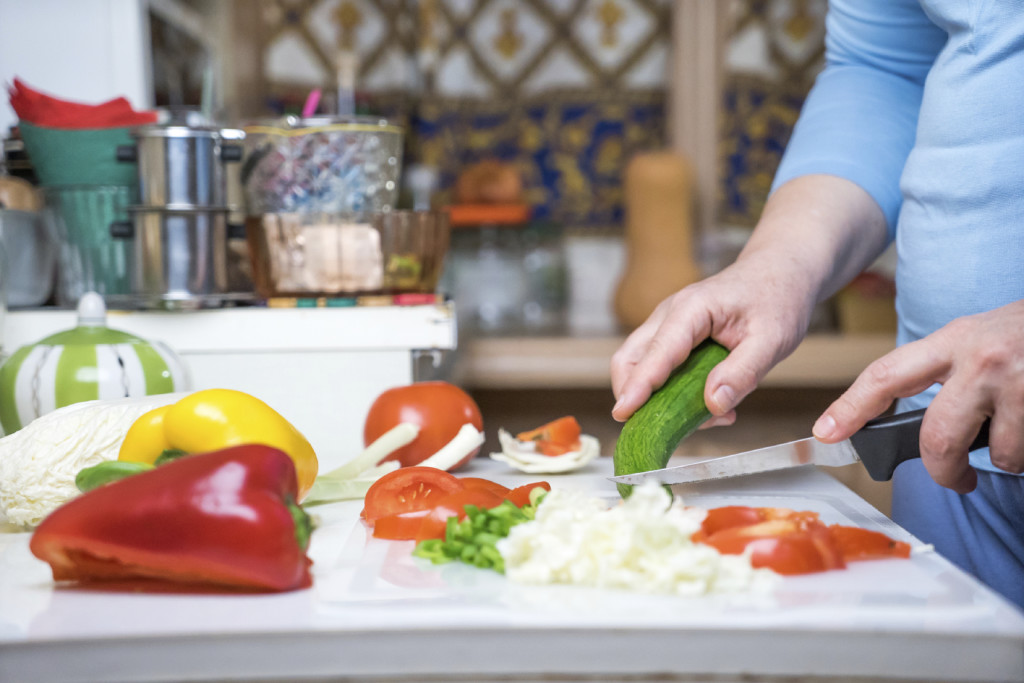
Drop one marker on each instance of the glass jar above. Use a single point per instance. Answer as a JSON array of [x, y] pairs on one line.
[[487, 277], [546, 278]]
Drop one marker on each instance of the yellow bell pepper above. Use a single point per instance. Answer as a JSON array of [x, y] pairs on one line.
[[213, 419]]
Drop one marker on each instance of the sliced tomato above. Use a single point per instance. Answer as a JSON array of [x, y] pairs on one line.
[[783, 545], [481, 484], [399, 527], [435, 522], [864, 544], [408, 489], [556, 437], [520, 495], [730, 516]]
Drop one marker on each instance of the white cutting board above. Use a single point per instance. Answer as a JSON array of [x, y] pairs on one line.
[[376, 610]]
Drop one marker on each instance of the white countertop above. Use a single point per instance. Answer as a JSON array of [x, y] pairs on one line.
[[375, 611]]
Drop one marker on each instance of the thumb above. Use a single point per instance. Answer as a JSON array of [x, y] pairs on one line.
[[736, 376]]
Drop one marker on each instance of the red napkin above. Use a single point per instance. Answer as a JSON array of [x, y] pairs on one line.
[[43, 110]]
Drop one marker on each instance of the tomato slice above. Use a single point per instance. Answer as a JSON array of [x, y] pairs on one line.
[[785, 546], [864, 544], [556, 437], [520, 495], [730, 516], [481, 484], [435, 522], [399, 527], [408, 489]]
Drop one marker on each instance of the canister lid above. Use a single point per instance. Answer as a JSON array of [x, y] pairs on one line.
[[92, 327]]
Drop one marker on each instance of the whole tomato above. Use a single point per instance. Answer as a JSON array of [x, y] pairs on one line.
[[439, 408]]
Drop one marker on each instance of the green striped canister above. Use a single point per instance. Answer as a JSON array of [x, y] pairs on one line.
[[82, 364]]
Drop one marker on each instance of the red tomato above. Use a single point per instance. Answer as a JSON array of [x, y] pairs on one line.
[[435, 522], [439, 408], [740, 515], [782, 545], [520, 495], [556, 437], [864, 544], [478, 483], [408, 489], [727, 517], [399, 527]]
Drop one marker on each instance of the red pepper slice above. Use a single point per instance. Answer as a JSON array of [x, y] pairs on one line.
[[226, 518], [556, 437]]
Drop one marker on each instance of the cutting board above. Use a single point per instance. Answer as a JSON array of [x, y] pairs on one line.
[[374, 610]]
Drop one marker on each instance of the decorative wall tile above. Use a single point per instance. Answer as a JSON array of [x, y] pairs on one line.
[[565, 89], [775, 50]]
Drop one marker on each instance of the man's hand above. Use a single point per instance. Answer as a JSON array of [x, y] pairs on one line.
[[815, 234], [979, 361], [758, 313]]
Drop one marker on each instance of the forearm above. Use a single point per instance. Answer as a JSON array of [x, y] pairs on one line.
[[825, 230]]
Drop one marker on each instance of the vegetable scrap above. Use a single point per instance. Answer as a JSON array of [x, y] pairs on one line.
[[558, 446]]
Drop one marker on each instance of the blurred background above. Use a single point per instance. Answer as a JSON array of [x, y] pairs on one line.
[[590, 157]]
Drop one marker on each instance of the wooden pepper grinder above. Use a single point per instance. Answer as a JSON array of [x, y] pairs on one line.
[[659, 235]]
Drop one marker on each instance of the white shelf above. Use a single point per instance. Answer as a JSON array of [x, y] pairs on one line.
[[319, 367], [247, 329]]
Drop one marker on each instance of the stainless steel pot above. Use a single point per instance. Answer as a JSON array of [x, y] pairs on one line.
[[179, 258], [182, 167]]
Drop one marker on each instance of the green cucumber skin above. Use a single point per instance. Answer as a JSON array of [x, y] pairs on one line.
[[671, 414]]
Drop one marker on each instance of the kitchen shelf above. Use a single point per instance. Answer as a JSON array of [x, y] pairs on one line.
[[822, 360]]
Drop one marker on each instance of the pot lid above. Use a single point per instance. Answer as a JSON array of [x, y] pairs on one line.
[[92, 327]]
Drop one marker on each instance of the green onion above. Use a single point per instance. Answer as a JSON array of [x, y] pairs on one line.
[[474, 539]]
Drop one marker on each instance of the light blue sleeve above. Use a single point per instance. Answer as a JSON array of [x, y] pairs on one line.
[[860, 117]]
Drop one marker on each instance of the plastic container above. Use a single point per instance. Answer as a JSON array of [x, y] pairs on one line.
[[338, 166], [90, 361], [77, 156], [308, 255], [78, 219], [30, 258]]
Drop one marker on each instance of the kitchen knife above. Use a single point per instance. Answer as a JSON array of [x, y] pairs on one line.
[[882, 444]]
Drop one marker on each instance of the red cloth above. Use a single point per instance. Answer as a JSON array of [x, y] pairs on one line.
[[43, 110]]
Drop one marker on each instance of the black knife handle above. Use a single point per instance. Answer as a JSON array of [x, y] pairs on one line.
[[885, 442]]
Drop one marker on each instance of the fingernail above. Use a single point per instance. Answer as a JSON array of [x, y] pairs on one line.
[[617, 406], [724, 397], [824, 427]]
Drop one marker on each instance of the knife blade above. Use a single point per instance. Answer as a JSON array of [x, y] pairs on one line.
[[881, 445]]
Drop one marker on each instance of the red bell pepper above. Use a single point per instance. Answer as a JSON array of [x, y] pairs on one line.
[[226, 518]]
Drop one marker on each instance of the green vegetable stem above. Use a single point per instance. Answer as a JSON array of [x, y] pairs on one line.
[[474, 539], [106, 472]]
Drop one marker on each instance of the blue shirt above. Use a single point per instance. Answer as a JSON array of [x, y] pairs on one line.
[[922, 105]]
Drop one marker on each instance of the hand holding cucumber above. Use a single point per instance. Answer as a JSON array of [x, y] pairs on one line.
[[760, 324]]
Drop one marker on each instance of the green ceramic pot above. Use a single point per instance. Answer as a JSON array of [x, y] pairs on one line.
[[86, 363]]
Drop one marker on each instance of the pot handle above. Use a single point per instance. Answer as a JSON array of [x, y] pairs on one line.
[[231, 153], [236, 231], [127, 153], [122, 230]]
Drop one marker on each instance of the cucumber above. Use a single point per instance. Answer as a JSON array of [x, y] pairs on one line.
[[672, 413]]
